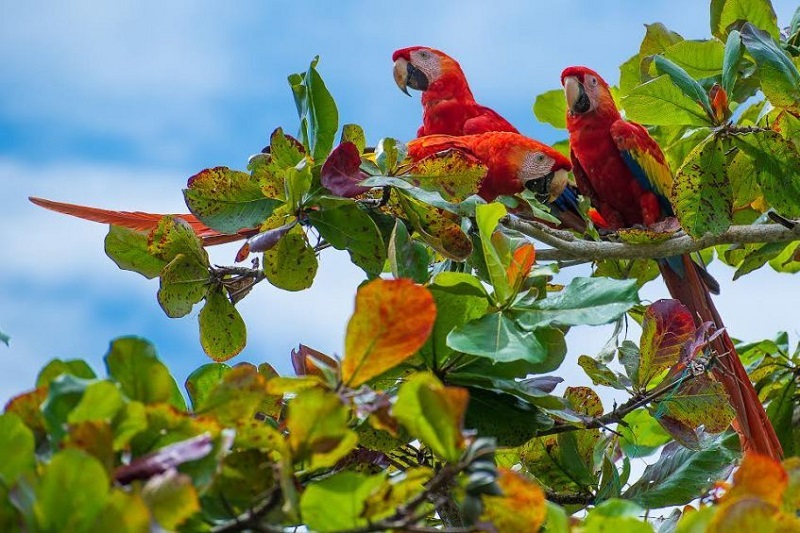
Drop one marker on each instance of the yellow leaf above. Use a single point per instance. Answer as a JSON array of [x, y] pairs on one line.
[[521, 507], [758, 477], [392, 320]]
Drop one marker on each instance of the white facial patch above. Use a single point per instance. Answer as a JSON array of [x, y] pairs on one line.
[[535, 175], [427, 62]]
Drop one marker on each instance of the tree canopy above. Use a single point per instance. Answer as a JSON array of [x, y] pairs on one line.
[[441, 412]]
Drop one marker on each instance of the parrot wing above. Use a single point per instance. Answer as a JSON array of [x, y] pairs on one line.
[[645, 160], [487, 120]]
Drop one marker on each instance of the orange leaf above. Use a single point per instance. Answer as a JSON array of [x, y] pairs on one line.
[[520, 508], [521, 264], [392, 320], [759, 477]]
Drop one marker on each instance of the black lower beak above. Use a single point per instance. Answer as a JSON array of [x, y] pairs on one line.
[[540, 187], [582, 104], [416, 79]]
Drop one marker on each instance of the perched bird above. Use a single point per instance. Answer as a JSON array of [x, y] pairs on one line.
[[514, 162], [619, 166], [140, 221], [449, 108], [448, 105]]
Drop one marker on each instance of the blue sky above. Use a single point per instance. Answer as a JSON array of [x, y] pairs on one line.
[[117, 104]]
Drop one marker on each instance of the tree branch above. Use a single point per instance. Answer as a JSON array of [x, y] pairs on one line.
[[567, 246]]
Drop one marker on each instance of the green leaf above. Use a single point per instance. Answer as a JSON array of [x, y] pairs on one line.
[[781, 413], [129, 250], [388, 153], [779, 77], [227, 200], [439, 228], [72, 492], [498, 336], [317, 111], [75, 367], [505, 417], [453, 174], [4, 338], [100, 401], [174, 236], [680, 475], [776, 161], [355, 134], [657, 38], [551, 107], [347, 227], [125, 512], [616, 515], [337, 502], [203, 380], [629, 75], [600, 374], [732, 57], [223, 333], [459, 298], [487, 217], [408, 258], [694, 403], [269, 170], [699, 59], [16, 449], [291, 265], [171, 498], [63, 395], [758, 257], [744, 180], [661, 102], [318, 431], [133, 363], [702, 194], [183, 283], [641, 435], [758, 12], [433, 413], [585, 301], [684, 81]]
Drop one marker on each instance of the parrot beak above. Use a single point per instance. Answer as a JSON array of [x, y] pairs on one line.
[[577, 99], [407, 75], [550, 186]]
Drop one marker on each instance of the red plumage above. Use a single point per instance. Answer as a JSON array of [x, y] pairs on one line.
[[140, 221], [509, 157]]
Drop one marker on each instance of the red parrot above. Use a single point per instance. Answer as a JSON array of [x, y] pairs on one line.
[[140, 221], [624, 173], [514, 162], [449, 108]]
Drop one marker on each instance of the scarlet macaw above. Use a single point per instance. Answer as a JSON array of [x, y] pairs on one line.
[[619, 166], [514, 162], [449, 108]]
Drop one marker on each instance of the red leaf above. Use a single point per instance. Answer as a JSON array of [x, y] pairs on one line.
[[305, 361], [341, 172]]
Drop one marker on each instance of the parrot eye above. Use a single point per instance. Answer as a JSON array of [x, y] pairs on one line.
[[424, 54], [593, 80], [539, 158]]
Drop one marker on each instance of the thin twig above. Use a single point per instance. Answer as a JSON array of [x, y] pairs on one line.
[[251, 519]]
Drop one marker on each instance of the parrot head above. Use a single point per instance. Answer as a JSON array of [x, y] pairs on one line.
[[586, 92], [543, 171], [419, 67]]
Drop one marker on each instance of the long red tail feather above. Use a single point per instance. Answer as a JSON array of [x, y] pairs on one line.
[[138, 220], [754, 428]]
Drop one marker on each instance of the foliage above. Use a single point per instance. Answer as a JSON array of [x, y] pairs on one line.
[[439, 414]]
